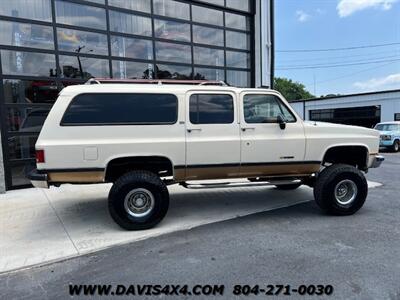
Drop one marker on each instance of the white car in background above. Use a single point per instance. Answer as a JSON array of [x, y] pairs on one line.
[[389, 135]]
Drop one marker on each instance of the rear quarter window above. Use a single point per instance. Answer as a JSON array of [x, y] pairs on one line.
[[121, 109]]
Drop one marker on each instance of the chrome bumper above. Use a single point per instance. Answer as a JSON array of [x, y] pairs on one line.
[[377, 161], [38, 179]]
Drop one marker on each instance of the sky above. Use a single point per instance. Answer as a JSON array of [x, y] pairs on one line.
[[366, 26]]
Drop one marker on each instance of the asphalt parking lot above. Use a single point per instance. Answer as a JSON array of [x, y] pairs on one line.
[[358, 255]]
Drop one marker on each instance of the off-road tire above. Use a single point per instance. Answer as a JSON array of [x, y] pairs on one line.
[[329, 178], [396, 146], [288, 187], [138, 180]]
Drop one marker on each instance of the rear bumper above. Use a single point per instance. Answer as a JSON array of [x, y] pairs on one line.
[[38, 179], [377, 161]]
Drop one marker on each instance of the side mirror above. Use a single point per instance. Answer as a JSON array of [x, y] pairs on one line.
[[281, 121]]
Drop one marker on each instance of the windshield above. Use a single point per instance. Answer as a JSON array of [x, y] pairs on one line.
[[387, 127]]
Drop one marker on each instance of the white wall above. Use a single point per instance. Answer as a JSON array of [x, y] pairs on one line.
[[299, 108], [389, 102]]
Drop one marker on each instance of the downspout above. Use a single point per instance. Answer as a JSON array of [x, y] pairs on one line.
[[272, 46]]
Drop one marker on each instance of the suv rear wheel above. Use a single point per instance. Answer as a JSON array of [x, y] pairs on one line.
[[341, 190], [138, 200]]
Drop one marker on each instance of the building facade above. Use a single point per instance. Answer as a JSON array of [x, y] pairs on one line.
[[365, 109], [46, 45]]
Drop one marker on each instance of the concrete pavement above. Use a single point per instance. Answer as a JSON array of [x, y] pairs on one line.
[[40, 226]]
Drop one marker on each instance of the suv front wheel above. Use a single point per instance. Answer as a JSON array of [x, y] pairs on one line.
[[138, 200], [341, 190], [396, 146]]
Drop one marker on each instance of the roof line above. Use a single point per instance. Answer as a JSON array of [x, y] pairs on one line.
[[345, 96]]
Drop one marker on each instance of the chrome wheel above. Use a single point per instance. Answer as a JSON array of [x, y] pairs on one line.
[[139, 202], [345, 192]]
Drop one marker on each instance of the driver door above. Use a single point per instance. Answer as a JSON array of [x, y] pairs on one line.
[[266, 149]]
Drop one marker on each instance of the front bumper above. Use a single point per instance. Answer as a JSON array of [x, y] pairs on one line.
[[386, 143], [38, 179], [376, 161]]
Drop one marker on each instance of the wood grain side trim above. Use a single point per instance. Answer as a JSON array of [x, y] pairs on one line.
[[276, 169], [223, 171], [77, 177]]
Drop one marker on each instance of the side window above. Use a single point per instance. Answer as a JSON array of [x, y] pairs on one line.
[[259, 108], [120, 109], [211, 109]]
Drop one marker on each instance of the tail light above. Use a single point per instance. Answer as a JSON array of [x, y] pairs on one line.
[[39, 156]]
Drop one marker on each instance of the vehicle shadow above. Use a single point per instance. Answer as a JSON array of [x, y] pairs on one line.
[[89, 225], [77, 205]]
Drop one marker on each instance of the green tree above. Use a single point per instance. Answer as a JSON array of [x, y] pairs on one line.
[[291, 90]]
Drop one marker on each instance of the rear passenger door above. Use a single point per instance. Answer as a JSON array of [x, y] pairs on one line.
[[212, 135]]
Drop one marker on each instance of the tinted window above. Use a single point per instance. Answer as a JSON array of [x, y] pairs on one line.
[[128, 23], [206, 15], [26, 35], [237, 40], [208, 36], [18, 172], [90, 67], [237, 59], [70, 40], [211, 109], [174, 72], [238, 78], [139, 5], [208, 56], [236, 21], [28, 63], [238, 4], [29, 9], [209, 74], [97, 1], [26, 119], [132, 69], [215, 2], [264, 109], [22, 147], [171, 30], [114, 109], [80, 15], [28, 92], [173, 52], [171, 8], [131, 47]]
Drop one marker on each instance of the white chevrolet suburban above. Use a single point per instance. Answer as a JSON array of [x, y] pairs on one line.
[[143, 137]]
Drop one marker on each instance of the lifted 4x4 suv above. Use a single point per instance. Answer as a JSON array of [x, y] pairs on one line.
[[143, 137]]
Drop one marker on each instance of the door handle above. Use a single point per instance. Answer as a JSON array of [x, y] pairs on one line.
[[193, 129], [247, 128]]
